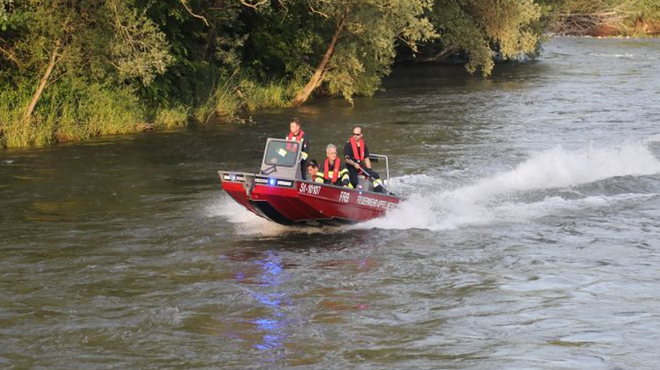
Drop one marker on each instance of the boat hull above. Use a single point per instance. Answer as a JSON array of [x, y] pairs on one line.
[[291, 202]]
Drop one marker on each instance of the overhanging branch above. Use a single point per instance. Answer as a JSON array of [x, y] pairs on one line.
[[185, 5]]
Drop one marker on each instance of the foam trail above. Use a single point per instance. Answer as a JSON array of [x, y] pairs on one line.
[[558, 168], [247, 223], [520, 212], [244, 221], [629, 56], [653, 139], [555, 168]]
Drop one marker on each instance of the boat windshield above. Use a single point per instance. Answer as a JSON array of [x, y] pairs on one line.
[[281, 153]]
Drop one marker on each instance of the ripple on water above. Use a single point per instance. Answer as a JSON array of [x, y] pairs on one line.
[[528, 238]]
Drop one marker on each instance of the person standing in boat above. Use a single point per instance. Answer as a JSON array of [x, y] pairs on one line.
[[313, 172], [297, 134], [358, 163], [334, 171]]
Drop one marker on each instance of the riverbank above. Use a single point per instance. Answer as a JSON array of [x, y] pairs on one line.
[[91, 111], [81, 113], [606, 19], [70, 72], [645, 30]]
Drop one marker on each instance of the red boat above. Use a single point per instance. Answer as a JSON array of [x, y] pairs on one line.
[[278, 192]]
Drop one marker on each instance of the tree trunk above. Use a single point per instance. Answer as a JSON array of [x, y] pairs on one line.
[[317, 78], [210, 42], [42, 85], [440, 56], [210, 35]]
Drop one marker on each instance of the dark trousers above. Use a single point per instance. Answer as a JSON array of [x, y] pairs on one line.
[[353, 174], [303, 169]]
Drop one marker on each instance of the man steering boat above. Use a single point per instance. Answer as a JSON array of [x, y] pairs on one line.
[[356, 154]]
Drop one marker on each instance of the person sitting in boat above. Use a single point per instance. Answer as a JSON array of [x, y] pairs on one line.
[[334, 171], [313, 171], [358, 163], [297, 134]]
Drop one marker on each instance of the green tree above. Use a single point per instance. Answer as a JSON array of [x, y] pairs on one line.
[[4, 6], [206, 41], [92, 41], [484, 30], [75, 63], [360, 45]]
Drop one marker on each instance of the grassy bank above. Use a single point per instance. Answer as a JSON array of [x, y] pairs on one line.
[[74, 113], [607, 18]]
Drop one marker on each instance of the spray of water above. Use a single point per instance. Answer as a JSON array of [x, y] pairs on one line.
[[247, 223], [244, 221], [495, 198]]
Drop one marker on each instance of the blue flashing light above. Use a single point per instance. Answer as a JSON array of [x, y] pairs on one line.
[[272, 182], [232, 177]]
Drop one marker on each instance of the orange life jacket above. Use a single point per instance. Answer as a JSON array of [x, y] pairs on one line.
[[335, 171], [359, 156], [293, 137], [298, 137]]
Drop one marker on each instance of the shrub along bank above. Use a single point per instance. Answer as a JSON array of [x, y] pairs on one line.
[[70, 70]]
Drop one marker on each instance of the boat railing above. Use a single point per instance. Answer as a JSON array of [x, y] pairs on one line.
[[380, 158]]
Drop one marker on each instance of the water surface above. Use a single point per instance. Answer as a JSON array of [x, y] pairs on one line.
[[529, 238]]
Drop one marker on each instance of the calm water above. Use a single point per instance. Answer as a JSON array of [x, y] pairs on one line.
[[530, 237]]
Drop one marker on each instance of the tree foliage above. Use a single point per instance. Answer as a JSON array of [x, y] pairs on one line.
[[203, 58], [77, 43], [484, 30], [138, 49], [366, 33]]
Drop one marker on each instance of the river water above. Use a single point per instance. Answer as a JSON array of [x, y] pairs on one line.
[[529, 238]]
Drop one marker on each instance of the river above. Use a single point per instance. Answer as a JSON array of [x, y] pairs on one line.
[[529, 237]]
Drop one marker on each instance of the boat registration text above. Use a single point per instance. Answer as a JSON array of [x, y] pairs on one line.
[[310, 189]]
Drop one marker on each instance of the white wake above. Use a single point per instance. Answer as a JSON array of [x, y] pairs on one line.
[[494, 199]]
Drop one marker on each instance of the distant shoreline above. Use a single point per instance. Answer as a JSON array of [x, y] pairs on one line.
[[640, 29], [618, 37]]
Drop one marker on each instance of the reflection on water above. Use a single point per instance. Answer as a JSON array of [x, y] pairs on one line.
[[270, 294], [263, 279], [279, 301]]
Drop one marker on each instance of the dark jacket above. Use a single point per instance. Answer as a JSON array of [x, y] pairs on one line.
[[348, 151]]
